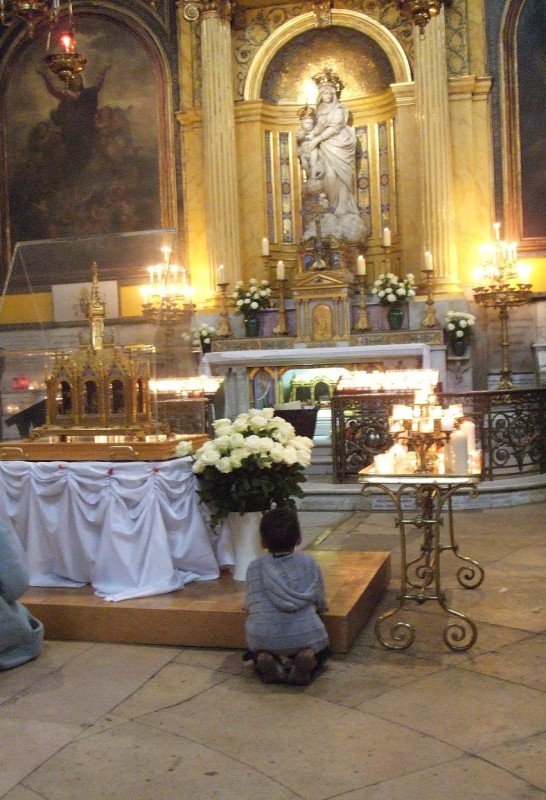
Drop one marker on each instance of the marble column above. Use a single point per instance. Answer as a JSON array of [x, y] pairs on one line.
[[438, 204], [220, 153]]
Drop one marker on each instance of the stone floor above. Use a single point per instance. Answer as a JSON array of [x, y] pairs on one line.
[[101, 721]]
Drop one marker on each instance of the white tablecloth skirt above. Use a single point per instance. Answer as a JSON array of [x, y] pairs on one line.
[[129, 529]]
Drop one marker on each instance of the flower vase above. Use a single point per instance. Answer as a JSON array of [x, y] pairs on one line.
[[245, 537], [458, 347], [252, 327], [205, 347], [395, 317]]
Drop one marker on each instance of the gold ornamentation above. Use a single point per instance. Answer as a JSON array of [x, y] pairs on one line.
[[323, 13], [421, 11], [31, 12], [327, 77], [66, 65]]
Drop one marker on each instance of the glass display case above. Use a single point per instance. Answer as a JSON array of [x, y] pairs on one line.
[[92, 329]]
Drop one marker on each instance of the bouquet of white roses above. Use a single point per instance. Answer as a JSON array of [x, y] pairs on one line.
[[203, 335], [392, 290], [459, 324], [252, 463], [249, 301]]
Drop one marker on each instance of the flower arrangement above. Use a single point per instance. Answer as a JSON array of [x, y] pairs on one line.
[[252, 463], [184, 448], [255, 298], [459, 325], [392, 290], [203, 336]]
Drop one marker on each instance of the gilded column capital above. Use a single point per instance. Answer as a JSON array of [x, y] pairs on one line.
[[223, 9]]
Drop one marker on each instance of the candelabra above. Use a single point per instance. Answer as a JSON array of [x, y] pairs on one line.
[[282, 328], [503, 288], [430, 319], [224, 328], [363, 323]]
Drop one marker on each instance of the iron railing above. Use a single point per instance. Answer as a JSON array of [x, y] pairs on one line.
[[510, 429]]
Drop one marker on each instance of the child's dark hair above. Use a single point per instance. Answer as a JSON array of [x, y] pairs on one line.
[[280, 530]]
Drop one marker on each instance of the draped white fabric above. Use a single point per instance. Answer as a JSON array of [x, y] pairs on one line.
[[129, 529]]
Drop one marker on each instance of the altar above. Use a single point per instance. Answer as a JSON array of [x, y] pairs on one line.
[[129, 529]]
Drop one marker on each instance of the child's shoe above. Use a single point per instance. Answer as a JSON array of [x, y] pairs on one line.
[[269, 669], [303, 666]]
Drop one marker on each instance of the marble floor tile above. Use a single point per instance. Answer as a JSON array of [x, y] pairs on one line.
[[53, 656], [317, 749], [464, 709], [523, 663], [174, 683], [87, 687], [21, 793], [136, 762], [512, 598], [228, 661], [25, 744], [464, 779], [525, 758]]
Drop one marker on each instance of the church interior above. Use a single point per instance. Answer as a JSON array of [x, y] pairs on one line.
[[319, 226]]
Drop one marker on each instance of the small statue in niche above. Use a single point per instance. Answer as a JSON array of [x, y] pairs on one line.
[[327, 152]]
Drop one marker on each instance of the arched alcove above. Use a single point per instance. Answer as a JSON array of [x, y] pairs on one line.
[[99, 163]]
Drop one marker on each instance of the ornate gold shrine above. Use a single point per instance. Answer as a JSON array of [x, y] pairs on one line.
[[98, 404]]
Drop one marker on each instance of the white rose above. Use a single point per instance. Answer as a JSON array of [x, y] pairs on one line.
[[268, 413], [198, 466], [277, 452], [266, 444], [239, 303], [223, 443], [246, 301], [381, 293], [224, 465], [411, 293], [290, 455], [254, 443], [183, 449], [463, 323], [240, 424], [254, 305], [237, 440], [302, 442], [258, 423], [471, 322], [401, 291], [263, 293], [239, 284], [304, 457], [238, 456], [210, 457], [252, 281], [459, 334], [450, 326], [391, 298]]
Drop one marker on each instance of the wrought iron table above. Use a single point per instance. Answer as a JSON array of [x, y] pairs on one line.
[[420, 579]]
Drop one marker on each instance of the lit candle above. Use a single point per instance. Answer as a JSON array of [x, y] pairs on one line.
[[221, 273], [496, 228], [280, 271], [151, 271], [459, 448], [426, 426], [469, 429], [428, 261], [387, 237], [448, 423], [360, 265], [265, 246]]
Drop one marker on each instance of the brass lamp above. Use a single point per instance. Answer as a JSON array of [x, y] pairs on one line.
[[504, 286], [31, 12]]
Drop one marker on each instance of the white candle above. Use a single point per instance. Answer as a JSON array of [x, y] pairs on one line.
[[469, 429], [496, 228], [428, 261], [151, 271], [360, 265], [280, 271], [221, 273], [448, 423], [459, 447], [387, 237], [427, 426], [265, 246]]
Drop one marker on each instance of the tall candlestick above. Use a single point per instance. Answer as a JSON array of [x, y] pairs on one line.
[[360, 265], [280, 271], [428, 261], [265, 246], [221, 274], [387, 238]]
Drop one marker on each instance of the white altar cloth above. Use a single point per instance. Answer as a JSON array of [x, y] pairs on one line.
[[129, 529]]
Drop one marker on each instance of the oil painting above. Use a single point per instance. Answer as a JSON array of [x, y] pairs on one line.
[[84, 158]]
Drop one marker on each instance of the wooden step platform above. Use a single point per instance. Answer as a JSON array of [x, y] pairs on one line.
[[209, 613]]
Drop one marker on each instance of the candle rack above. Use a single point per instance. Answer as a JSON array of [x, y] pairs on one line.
[[224, 328], [282, 328], [363, 323]]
